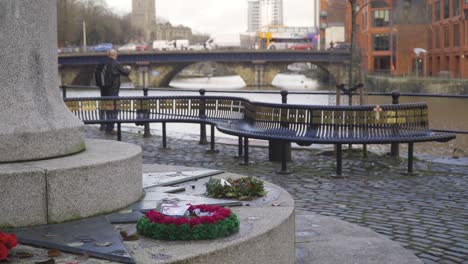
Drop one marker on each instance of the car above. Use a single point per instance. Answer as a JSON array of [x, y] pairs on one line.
[[343, 46], [128, 47], [103, 47], [302, 46], [142, 46]]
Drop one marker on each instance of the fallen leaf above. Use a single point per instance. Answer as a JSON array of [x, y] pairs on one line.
[[47, 261], [103, 244], [53, 253], [253, 218], [275, 204], [23, 255], [125, 212], [75, 244]]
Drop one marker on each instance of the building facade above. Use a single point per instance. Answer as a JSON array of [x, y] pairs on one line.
[[448, 38], [262, 13], [166, 31], [144, 17], [331, 19], [253, 15], [388, 33]]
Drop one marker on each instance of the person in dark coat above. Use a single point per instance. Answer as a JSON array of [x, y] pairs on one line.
[[112, 88]]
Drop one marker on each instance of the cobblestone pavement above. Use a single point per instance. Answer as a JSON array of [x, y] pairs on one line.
[[426, 213]]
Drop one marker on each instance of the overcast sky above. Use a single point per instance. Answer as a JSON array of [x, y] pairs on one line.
[[224, 19]]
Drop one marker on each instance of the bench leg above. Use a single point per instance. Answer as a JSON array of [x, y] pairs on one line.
[[147, 132], [284, 158], [203, 140], [119, 131], [212, 141], [240, 150], [410, 158], [246, 152], [339, 159], [364, 150], [164, 138]]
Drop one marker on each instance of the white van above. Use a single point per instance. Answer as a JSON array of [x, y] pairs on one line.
[[162, 45], [179, 44]]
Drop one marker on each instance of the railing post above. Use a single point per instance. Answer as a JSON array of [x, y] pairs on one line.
[[146, 131], [395, 148], [203, 140], [277, 147]]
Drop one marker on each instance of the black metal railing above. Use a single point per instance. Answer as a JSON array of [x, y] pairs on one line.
[[145, 91]]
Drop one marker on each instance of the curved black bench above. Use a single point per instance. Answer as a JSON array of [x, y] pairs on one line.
[[302, 124]]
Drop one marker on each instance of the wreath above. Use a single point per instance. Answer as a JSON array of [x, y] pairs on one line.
[[7, 242], [199, 223], [245, 188]]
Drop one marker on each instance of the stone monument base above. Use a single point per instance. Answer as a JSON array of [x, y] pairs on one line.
[[103, 178]]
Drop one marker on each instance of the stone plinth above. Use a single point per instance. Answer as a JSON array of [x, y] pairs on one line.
[[34, 122], [104, 178]]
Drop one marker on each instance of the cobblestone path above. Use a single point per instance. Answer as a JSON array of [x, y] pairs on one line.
[[426, 213]]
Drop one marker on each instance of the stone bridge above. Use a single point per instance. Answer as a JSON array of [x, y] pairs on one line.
[[157, 69]]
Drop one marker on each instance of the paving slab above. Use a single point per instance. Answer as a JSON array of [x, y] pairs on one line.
[[172, 178], [78, 237]]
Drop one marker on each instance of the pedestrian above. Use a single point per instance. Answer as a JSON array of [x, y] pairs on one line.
[[112, 83]]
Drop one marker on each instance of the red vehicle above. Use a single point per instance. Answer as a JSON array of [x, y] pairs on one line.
[[302, 46], [142, 46]]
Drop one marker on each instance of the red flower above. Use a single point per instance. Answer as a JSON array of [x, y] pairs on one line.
[[3, 252], [11, 241], [181, 221], [195, 221]]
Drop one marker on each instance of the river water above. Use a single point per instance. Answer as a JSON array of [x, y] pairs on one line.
[[444, 113]]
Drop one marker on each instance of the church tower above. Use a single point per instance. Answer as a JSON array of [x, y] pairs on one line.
[[144, 17]]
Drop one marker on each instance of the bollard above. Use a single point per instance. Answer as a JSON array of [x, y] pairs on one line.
[[395, 147], [202, 113]]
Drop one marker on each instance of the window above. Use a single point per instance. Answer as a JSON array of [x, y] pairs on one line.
[[381, 18], [382, 64], [446, 37], [437, 11], [455, 7], [446, 9], [381, 42], [465, 11], [437, 38], [456, 35]]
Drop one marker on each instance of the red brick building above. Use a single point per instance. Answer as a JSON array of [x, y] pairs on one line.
[[393, 35], [448, 38], [388, 32]]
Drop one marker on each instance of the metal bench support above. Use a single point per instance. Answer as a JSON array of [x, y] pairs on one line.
[[410, 158], [119, 131], [164, 138], [240, 150], [246, 152], [339, 158]]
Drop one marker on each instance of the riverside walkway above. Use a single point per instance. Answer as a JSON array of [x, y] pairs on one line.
[[426, 213]]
